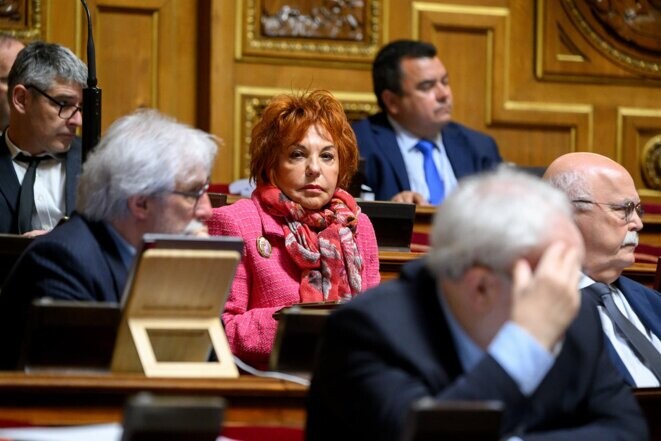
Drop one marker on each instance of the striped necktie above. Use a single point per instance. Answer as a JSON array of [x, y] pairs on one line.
[[641, 345]]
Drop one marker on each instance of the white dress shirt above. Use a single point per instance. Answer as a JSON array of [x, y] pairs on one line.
[[414, 161], [639, 372], [49, 182]]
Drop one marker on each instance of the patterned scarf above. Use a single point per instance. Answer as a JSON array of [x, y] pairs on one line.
[[321, 243]]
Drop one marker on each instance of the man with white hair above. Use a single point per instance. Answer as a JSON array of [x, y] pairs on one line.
[[492, 313], [608, 213], [149, 174]]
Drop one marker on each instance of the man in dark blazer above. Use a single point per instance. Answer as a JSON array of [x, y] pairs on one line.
[[45, 97], [608, 214], [492, 313], [10, 188], [413, 91], [149, 174]]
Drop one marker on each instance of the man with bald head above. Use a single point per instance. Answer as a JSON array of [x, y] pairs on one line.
[[608, 214]]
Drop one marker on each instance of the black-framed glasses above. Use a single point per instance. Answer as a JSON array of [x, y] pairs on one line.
[[626, 208], [66, 110], [193, 195]]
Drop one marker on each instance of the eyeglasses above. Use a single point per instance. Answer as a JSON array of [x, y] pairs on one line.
[[66, 110], [193, 195], [626, 209]]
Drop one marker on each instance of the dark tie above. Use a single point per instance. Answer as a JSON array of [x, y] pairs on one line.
[[433, 178], [640, 344], [26, 197]]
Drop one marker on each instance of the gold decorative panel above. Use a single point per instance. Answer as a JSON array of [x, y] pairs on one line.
[[251, 101], [627, 32], [592, 40], [332, 30], [639, 147], [476, 45], [651, 162], [21, 18]]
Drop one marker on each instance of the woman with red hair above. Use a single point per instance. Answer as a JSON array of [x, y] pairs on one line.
[[305, 238]]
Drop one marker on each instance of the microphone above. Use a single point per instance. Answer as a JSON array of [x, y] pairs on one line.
[[91, 95]]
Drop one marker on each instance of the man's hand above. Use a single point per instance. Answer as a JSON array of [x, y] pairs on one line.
[[545, 302], [410, 197]]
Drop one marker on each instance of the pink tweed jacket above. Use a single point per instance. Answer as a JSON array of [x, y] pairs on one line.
[[263, 285]]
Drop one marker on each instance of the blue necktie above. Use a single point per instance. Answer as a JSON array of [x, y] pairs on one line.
[[433, 178]]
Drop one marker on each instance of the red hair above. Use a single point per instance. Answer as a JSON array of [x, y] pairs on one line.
[[285, 122]]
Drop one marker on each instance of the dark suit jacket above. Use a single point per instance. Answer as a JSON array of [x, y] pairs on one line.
[[392, 346], [469, 152], [646, 303], [78, 260], [10, 188]]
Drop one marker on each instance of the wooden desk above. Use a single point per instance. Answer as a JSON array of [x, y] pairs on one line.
[[424, 217], [392, 261], [650, 234], [58, 399]]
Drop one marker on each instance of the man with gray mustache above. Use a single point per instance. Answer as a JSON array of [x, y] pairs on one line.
[[609, 216]]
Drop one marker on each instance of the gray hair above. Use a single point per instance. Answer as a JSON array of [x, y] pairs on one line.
[[574, 184], [145, 153], [493, 219], [40, 64]]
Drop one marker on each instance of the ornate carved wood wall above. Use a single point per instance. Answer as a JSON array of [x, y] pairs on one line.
[[146, 50], [544, 77]]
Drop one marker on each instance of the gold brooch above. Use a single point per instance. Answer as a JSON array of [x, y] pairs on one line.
[[264, 247]]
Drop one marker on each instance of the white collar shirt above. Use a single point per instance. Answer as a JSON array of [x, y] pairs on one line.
[[49, 187], [639, 372], [414, 160]]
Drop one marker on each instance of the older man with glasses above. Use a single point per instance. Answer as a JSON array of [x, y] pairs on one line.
[[609, 215], [40, 155], [149, 174]]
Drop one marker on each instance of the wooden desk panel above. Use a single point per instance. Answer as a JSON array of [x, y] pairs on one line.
[[650, 234], [57, 399], [392, 261]]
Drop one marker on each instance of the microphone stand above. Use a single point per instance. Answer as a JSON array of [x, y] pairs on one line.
[[91, 95]]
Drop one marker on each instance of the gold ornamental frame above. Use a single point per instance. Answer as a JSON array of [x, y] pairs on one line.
[[26, 27], [252, 44]]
